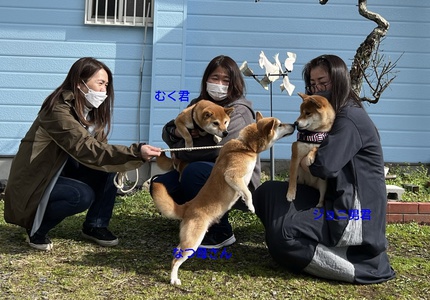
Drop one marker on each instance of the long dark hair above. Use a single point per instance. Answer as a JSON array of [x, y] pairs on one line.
[[341, 91], [82, 70], [236, 86]]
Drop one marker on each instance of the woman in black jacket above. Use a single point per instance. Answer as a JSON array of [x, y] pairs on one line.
[[345, 240]]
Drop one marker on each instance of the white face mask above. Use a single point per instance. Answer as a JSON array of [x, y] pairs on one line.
[[94, 98], [218, 92]]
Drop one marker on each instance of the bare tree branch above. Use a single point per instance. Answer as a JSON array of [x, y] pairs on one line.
[[368, 54], [363, 54]]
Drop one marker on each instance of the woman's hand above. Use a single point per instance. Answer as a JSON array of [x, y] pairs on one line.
[[147, 152]]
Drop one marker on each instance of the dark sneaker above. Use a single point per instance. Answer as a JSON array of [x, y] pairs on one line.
[[39, 242], [217, 240], [100, 235]]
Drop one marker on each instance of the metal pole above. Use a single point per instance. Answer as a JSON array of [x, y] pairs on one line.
[[272, 156]]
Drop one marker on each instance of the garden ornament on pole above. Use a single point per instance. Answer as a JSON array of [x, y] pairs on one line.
[[273, 71]]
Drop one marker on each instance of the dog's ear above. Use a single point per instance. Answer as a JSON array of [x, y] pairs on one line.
[[317, 103], [207, 114], [259, 116], [303, 96], [228, 110], [269, 127]]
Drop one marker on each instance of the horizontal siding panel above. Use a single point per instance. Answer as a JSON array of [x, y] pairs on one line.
[[19, 32], [406, 107], [18, 114], [22, 97], [45, 4], [56, 49], [170, 35], [38, 65], [125, 132], [402, 138], [406, 154], [14, 131], [43, 16], [170, 19]]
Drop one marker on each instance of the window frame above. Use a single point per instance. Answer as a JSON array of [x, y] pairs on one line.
[[91, 18]]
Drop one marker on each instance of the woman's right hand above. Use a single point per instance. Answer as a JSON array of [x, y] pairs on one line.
[[147, 152]]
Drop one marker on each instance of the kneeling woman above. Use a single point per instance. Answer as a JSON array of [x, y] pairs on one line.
[[345, 240]]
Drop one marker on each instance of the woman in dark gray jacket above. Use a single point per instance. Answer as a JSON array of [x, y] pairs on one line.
[[223, 84]]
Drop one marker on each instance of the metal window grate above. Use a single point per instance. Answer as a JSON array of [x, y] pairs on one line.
[[119, 12]]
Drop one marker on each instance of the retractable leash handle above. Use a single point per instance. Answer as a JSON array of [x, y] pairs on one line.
[[121, 177]]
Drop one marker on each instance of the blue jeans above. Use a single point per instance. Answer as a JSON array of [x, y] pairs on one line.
[[193, 178], [77, 189]]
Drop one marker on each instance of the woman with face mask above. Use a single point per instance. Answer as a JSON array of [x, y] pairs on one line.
[[223, 84], [344, 240], [65, 165]]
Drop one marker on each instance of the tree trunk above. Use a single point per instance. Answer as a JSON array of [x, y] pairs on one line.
[[364, 52]]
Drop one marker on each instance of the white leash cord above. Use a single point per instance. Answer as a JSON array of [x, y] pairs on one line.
[[191, 149], [121, 177]]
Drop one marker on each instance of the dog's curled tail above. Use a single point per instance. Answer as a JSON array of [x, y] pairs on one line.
[[164, 202]]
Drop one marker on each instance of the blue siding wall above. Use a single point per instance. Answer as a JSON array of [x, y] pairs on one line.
[[40, 40], [242, 28], [169, 64]]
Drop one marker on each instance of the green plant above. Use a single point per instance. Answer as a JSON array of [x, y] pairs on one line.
[[414, 179]]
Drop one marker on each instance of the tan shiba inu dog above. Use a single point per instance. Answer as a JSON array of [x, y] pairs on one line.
[[206, 117], [227, 182], [315, 121], [170, 163]]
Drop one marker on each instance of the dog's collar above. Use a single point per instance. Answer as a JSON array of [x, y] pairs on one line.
[[311, 136], [196, 126]]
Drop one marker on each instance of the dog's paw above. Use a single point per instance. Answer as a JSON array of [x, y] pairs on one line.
[[291, 196], [310, 158], [320, 204], [176, 281], [251, 208], [217, 139]]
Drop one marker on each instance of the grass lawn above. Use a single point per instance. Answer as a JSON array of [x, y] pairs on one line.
[[139, 267]]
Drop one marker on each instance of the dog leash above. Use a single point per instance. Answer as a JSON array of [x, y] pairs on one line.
[[191, 148], [121, 177]]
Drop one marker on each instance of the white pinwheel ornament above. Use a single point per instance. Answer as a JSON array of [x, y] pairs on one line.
[[273, 71]]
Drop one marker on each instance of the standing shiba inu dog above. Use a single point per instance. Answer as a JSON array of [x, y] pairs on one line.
[[227, 182], [206, 117], [315, 121]]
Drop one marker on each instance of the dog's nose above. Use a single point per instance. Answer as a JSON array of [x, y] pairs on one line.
[[224, 134]]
